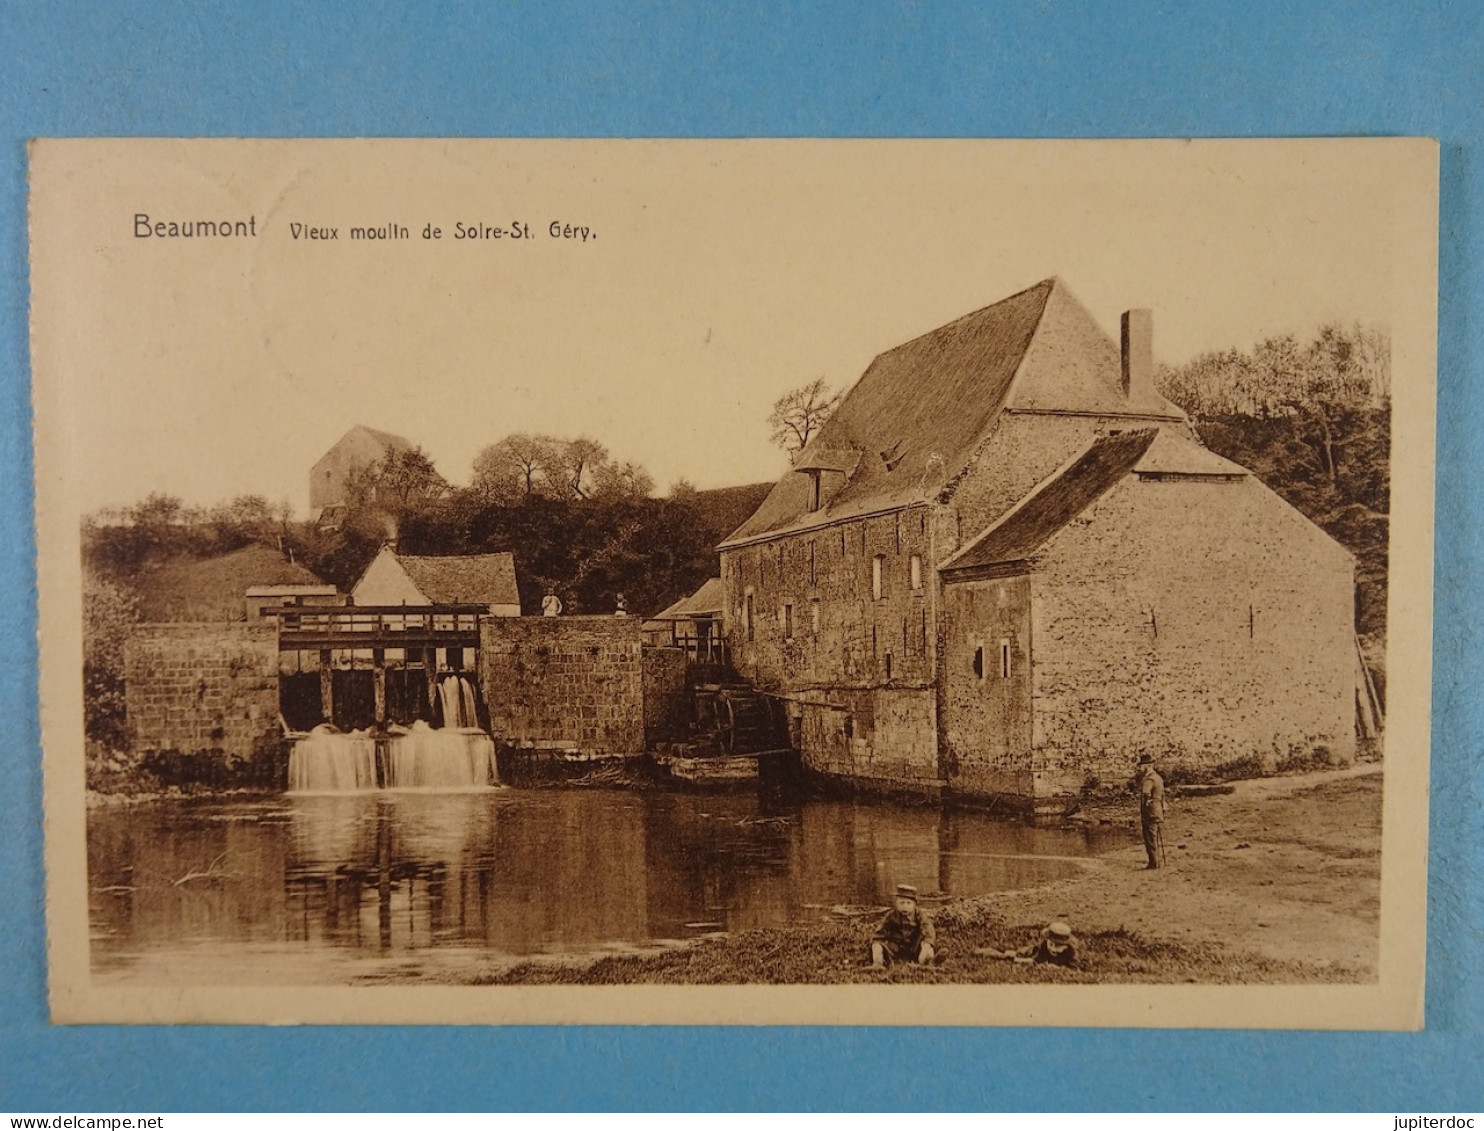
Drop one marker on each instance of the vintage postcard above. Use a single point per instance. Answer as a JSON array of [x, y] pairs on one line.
[[742, 582]]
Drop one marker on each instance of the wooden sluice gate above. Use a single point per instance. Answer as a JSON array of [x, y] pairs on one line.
[[406, 649]]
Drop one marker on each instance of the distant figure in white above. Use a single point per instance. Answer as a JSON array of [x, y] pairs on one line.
[[620, 606], [551, 604]]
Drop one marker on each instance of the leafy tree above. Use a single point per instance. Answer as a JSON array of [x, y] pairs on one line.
[[108, 612], [517, 467], [799, 414], [622, 481], [584, 463], [399, 481]]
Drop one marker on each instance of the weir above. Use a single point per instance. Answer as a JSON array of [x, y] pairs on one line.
[[419, 757], [408, 719]]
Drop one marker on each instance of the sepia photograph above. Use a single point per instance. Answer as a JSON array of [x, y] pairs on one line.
[[857, 582]]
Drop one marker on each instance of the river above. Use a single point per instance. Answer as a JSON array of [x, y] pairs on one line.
[[404, 887]]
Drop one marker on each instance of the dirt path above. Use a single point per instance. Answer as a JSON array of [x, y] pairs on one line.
[[1283, 868]]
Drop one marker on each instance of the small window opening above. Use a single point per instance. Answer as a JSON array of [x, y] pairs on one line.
[[814, 490], [888, 667], [915, 570], [878, 565], [747, 617], [788, 622], [849, 726], [811, 562], [814, 617], [1004, 659], [979, 661]]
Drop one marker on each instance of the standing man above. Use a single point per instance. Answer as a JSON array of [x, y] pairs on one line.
[[551, 604], [1151, 808]]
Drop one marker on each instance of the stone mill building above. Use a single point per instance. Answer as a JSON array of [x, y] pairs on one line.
[[1007, 566]]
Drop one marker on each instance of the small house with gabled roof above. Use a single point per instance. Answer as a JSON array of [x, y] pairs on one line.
[[1007, 566], [463, 579], [692, 623]]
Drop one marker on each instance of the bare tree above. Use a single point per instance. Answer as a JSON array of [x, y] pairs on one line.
[[799, 414]]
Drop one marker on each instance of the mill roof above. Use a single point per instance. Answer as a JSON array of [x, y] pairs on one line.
[[918, 414], [1058, 500], [467, 579]]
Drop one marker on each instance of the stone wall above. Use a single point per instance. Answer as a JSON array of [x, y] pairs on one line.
[[1200, 621], [573, 683], [881, 737], [857, 656], [985, 686], [193, 687], [816, 619], [666, 701]]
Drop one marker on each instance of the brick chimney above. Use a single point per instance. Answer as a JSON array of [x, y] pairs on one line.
[[1138, 355]]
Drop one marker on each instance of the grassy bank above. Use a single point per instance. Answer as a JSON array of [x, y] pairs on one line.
[[1275, 882]]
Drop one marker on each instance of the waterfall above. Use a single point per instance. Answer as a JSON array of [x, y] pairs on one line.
[[459, 707], [469, 709], [326, 761], [456, 756], [450, 758]]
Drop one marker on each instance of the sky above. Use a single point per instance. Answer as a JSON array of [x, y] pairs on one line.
[[714, 277]]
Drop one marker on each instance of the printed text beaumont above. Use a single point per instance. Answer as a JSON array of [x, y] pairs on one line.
[[145, 228]]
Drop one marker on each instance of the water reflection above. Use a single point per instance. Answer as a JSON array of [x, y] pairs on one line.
[[519, 872]]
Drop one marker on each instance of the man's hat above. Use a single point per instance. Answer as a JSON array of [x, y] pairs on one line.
[[1058, 930], [1145, 760], [907, 890]]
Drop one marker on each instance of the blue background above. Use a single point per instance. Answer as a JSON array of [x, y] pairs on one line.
[[1023, 69]]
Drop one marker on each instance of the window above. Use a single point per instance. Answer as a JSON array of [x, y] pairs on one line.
[[1004, 659], [888, 667], [878, 565], [814, 477], [747, 619], [811, 562], [814, 616], [915, 570], [788, 622], [979, 661]]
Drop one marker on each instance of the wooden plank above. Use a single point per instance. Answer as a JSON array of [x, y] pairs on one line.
[[310, 641]]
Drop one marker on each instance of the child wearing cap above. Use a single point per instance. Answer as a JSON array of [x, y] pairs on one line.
[[906, 934], [1056, 946]]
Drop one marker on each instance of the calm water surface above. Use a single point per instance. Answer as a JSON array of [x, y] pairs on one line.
[[401, 886]]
